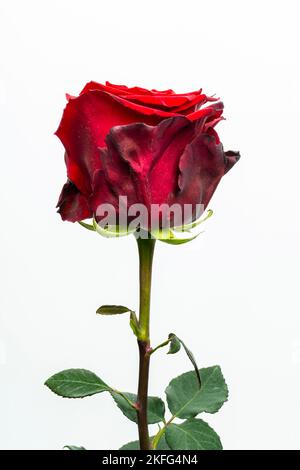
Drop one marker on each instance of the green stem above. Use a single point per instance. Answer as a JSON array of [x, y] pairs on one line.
[[161, 432], [146, 250], [158, 437], [161, 345]]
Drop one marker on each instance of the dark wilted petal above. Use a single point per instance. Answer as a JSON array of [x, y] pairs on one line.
[[170, 139], [173, 162], [144, 159], [231, 157], [102, 195], [202, 166], [72, 205], [117, 171]]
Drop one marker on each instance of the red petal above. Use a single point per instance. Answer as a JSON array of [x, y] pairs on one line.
[[156, 113], [117, 172], [202, 166], [231, 157], [142, 161], [102, 194], [72, 205], [166, 101], [213, 111], [85, 123], [137, 89], [161, 99], [108, 88], [133, 144], [190, 105], [170, 140]]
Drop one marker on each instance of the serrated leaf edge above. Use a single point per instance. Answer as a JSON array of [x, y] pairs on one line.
[[200, 391]]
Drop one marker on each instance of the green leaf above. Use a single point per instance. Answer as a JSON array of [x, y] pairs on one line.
[[162, 445], [186, 399], [191, 357], [74, 448], [156, 407], [119, 309], [174, 344], [135, 445], [76, 383], [112, 310], [193, 434]]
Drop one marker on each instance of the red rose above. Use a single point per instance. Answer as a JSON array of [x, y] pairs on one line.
[[154, 147]]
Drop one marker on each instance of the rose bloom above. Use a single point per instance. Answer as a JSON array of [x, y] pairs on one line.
[[154, 147]]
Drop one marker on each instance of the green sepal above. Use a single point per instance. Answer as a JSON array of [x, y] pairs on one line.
[[112, 231], [196, 223], [182, 234], [87, 226], [168, 236]]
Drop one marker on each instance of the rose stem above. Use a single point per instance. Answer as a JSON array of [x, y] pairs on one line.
[[146, 250]]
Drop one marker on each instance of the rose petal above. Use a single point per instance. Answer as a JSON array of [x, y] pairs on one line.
[[170, 139], [165, 101], [85, 123], [202, 166], [192, 104], [153, 147], [134, 146], [72, 205], [102, 194], [213, 111], [117, 172], [231, 157], [153, 98], [91, 86], [137, 89], [142, 161], [145, 111]]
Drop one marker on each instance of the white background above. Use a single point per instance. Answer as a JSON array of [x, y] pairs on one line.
[[232, 295]]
